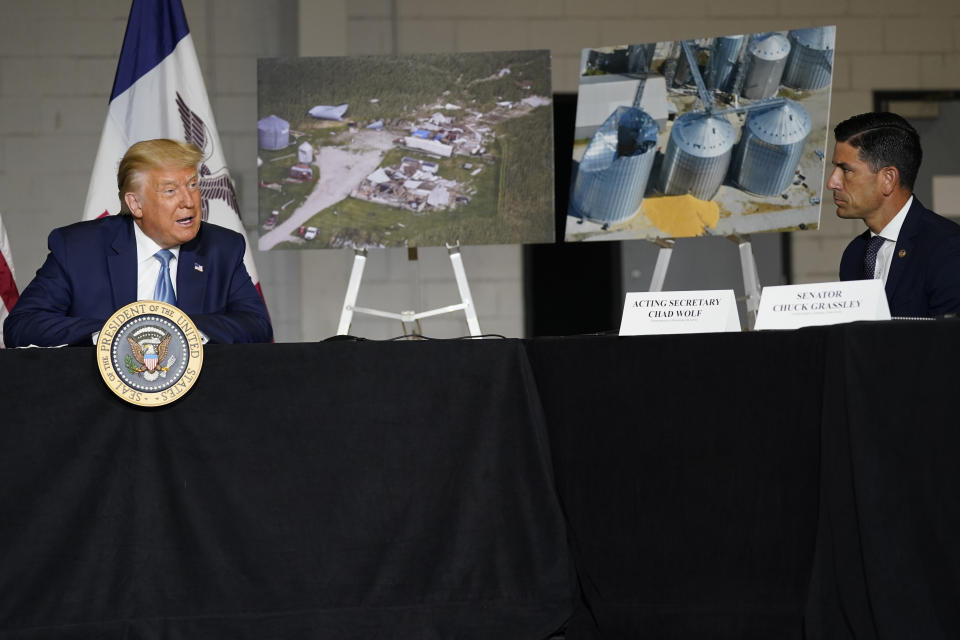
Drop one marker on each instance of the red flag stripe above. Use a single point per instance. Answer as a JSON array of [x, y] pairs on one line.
[[8, 288]]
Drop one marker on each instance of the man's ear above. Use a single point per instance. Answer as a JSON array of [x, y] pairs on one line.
[[133, 203], [889, 180]]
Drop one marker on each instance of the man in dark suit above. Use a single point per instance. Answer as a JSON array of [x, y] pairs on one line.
[[158, 239], [913, 250]]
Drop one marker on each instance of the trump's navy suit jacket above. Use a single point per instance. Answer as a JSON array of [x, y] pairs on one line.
[[924, 277], [91, 271]]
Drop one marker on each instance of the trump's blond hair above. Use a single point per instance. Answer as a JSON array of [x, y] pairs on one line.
[[145, 156]]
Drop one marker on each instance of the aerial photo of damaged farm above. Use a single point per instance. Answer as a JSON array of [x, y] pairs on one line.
[[423, 150], [715, 136]]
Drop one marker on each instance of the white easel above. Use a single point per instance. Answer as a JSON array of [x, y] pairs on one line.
[[353, 290], [748, 267]]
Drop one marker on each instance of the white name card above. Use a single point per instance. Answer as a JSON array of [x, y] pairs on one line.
[[804, 305], [679, 312]]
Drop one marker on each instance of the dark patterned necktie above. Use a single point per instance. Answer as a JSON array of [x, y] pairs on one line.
[[164, 288], [870, 257]]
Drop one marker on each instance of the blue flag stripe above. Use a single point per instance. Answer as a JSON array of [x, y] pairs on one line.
[[153, 30]]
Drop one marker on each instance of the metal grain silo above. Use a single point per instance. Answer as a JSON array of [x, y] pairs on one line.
[[724, 55], [810, 64], [766, 158], [305, 153], [698, 156], [615, 167], [766, 60], [273, 133]]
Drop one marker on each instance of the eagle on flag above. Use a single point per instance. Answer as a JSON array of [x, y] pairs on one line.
[[216, 186]]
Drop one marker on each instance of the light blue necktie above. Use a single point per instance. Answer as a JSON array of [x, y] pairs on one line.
[[164, 289]]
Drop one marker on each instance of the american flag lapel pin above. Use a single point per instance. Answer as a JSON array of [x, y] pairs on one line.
[[198, 267]]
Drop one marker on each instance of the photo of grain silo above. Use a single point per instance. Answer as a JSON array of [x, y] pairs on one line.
[[405, 151], [713, 136]]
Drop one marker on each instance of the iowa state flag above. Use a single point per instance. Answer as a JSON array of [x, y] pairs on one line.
[[159, 93], [8, 288]]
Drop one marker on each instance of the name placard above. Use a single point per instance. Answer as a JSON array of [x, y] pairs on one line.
[[803, 305], [647, 313]]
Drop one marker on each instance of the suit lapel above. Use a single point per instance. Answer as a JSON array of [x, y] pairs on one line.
[[905, 240], [191, 277], [851, 262], [122, 263]]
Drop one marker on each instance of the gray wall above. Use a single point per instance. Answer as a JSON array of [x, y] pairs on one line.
[[940, 136]]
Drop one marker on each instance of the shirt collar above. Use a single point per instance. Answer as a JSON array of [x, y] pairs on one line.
[[146, 247], [892, 230]]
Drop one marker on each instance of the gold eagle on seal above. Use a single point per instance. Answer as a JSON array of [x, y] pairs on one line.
[[150, 358]]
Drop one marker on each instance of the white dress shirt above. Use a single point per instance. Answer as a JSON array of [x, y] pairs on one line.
[[890, 234], [148, 267]]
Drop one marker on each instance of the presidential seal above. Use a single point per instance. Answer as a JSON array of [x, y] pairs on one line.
[[149, 353]]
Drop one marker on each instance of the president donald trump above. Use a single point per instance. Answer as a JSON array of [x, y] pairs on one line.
[[157, 248]]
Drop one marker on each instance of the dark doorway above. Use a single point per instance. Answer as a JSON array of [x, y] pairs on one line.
[[570, 288]]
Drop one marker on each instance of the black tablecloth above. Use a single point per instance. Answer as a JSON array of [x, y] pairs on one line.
[[687, 468], [341, 490], [777, 484], [888, 548]]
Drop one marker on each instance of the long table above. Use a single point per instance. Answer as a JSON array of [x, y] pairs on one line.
[[777, 484], [341, 490], [687, 468]]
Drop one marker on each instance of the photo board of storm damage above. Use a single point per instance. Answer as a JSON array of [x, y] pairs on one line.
[[720, 136], [405, 151]]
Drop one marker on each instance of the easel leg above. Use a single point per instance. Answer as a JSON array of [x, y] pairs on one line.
[[663, 261], [353, 290], [456, 260], [751, 279]]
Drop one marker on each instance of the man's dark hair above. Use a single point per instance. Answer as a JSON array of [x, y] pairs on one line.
[[884, 140]]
